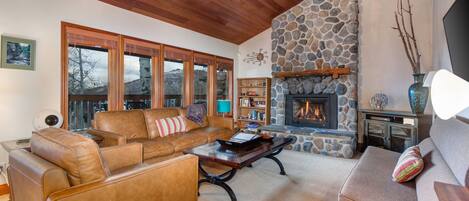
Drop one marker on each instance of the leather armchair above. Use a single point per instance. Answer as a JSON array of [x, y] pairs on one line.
[[68, 167]]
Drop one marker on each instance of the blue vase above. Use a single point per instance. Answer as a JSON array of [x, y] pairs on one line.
[[418, 94]]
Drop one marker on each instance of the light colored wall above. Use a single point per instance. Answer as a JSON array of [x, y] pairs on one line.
[[441, 58], [261, 41], [25, 93], [384, 65]]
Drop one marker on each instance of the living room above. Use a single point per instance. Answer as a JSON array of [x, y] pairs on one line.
[[234, 100]]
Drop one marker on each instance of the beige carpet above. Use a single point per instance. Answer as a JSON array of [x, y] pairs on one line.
[[310, 178]]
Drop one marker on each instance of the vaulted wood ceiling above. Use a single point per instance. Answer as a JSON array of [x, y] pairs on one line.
[[231, 20]]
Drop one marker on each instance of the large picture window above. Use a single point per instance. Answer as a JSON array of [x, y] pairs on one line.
[[224, 80], [200, 84], [87, 85], [173, 83], [222, 84], [104, 71], [137, 81]]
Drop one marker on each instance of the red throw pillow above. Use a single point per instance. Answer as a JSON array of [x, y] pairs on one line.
[[171, 125], [410, 165]]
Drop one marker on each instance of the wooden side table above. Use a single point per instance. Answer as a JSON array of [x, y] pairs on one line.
[[450, 192], [26, 144], [16, 144], [393, 130]]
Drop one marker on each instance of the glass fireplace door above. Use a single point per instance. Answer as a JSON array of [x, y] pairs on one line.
[[318, 111]]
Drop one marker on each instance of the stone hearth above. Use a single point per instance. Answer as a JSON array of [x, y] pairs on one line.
[[317, 34], [328, 142]]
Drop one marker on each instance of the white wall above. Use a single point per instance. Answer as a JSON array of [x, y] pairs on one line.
[[24, 93], [261, 41], [383, 64]]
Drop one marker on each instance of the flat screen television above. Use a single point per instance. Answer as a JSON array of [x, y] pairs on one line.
[[456, 24]]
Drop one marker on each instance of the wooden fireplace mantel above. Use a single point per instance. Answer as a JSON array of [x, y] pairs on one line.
[[335, 72]]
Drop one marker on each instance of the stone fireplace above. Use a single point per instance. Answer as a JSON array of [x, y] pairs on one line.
[[318, 111], [316, 35]]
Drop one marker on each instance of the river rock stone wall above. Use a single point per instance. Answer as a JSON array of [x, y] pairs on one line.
[[317, 34]]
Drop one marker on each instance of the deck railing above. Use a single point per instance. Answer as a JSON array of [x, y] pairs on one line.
[[81, 108]]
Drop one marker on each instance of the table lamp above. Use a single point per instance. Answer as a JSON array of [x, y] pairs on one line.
[[223, 106], [449, 93]]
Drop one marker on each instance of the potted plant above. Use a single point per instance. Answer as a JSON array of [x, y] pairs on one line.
[[418, 94]]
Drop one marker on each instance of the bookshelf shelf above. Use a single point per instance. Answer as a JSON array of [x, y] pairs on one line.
[[253, 92]]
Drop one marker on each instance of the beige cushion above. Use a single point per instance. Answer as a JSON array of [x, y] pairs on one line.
[[128, 123], [435, 169], [451, 138], [371, 179], [152, 115], [182, 141], [214, 133], [77, 155], [154, 148]]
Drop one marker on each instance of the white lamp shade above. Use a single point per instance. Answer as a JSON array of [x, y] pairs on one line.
[[47, 119], [449, 94]]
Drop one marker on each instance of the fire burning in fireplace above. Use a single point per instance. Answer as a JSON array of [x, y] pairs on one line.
[[311, 113]]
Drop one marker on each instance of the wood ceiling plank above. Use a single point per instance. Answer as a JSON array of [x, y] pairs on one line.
[[231, 20]]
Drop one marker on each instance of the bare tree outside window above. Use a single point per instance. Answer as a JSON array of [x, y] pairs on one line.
[[87, 85]]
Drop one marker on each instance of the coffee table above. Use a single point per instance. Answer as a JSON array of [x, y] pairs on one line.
[[236, 158]]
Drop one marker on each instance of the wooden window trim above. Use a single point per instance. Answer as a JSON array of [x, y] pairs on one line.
[[145, 48], [227, 64], [116, 46], [99, 37]]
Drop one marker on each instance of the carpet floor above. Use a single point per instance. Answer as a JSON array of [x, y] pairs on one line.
[[309, 177]]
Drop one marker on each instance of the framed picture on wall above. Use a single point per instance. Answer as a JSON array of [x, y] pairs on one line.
[[18, 53]]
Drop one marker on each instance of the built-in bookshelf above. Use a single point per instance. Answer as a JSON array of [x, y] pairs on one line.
[[253, 101]]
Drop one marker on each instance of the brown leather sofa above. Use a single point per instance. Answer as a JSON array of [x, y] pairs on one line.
[[68, 167], [139, 126]]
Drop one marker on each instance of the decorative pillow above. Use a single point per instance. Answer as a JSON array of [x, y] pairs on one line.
[[191, 125], [171, 125], [410, 165], [196, 113]]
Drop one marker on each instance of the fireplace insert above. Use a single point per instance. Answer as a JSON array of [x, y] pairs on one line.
[[318, 111]]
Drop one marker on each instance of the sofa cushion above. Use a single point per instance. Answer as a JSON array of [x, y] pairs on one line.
[[152, 115], [214, 133], [451, 138], [371, 179], [77, 155], [435, 169], [182, 141], [128, 123], [154, 148]]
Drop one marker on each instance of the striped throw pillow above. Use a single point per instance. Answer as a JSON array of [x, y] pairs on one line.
[[171, 125], [409, 165]]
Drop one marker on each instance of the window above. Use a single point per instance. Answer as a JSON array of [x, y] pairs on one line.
[[224, 80], [137, 81], [87, 85], [222, 84], [173, 83], [200, 84], [104, 71]]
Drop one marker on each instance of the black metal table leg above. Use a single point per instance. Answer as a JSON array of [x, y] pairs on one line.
[[276, 160], [219, 180]]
